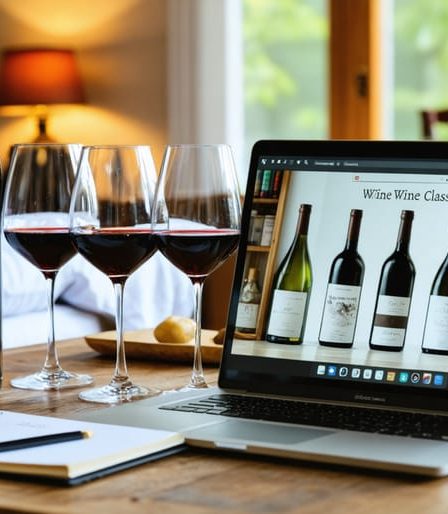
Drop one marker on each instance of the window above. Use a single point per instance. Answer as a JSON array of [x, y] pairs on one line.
[[285, 69], [420, 46]]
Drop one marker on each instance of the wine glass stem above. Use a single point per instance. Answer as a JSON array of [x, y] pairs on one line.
[[197, 376], [51, 364], [121, 371]]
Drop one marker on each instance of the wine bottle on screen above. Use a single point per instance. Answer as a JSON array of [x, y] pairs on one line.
[[247, 313], [343, 291], [394, 293], [435, 336], [292, 287]]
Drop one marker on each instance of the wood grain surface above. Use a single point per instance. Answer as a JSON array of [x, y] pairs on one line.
[[195, 482]]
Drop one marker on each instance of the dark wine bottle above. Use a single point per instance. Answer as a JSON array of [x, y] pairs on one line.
[[343, 291], [291, 289], [394, 293], [435, 336], [247, 314]]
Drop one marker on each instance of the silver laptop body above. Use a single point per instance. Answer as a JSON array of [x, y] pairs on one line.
[[390, 352]]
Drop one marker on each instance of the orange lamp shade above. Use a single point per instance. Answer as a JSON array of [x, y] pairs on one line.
[[40, 76]]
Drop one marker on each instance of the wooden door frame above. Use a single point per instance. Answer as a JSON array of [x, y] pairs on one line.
[[355, 69]]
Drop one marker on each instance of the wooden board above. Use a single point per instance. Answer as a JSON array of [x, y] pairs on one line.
[[141, 344]]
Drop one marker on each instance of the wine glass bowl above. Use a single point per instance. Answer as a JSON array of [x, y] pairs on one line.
[[36, 224], [110, 225], [197, 218]]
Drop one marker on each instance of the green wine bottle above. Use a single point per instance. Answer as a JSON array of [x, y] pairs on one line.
[[292, 287]]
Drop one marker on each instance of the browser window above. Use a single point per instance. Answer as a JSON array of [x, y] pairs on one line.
[[382, 315]]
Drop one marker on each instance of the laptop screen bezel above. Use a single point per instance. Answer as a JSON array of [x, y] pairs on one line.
[[234, 372]]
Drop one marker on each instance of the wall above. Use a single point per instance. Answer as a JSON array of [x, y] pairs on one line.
[[121, 49]]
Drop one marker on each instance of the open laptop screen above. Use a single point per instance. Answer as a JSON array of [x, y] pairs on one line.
[[348, 243]]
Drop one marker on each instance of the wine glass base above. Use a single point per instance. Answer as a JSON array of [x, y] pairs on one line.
[[113, 394], [193, 385], [51, 381], [197, 382]]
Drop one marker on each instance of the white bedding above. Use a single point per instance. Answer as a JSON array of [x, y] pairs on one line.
[[31, 327], [156, 290]]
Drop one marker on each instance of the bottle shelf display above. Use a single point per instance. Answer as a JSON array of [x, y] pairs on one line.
[[262, 249]]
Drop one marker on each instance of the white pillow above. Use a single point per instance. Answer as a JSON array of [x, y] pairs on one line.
[[156, 290], [23, 285]]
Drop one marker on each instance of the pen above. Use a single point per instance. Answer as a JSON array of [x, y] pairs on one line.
[[41, 440]]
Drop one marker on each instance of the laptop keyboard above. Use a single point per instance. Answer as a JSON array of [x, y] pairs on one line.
[[362, 419]]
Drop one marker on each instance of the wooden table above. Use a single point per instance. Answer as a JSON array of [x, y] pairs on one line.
[[195, 482]]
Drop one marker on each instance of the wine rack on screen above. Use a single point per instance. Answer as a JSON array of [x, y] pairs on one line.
[[266, 221]]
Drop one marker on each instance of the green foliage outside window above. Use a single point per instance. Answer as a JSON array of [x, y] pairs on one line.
[[285, 82], [286, 66], [420, 63]]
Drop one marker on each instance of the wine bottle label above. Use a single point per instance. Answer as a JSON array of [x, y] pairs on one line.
[[246, 316], [256, 229], [287, 313], [268, 229], [436, 331], [393, 305], [340, 312], [391, 319]]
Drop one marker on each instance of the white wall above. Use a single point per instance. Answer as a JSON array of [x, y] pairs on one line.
[[205, 74]]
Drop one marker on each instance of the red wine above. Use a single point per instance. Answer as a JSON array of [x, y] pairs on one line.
[[343, 291], [117, 252], [394, 293], [197, 252], [48, 248]]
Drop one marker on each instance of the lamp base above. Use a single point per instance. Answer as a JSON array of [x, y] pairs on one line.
[[42, 136]]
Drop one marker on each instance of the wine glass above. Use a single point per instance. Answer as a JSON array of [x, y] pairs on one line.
[[110, 225], [36, 224], [196, 217]]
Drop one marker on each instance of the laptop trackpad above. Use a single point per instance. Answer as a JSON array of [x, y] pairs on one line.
[[252, 431]]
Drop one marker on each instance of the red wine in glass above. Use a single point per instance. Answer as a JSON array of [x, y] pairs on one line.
[[197, 216], [110, 224], [48, 248], [116, 252], [198, 252], [35, 220]]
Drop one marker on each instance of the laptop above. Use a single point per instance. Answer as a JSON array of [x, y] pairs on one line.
[[351, 366]]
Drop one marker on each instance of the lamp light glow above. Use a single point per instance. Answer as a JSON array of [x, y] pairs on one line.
[[40, 77]]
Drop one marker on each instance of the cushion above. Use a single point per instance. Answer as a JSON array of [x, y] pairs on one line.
[[153, 292], [156, 290]]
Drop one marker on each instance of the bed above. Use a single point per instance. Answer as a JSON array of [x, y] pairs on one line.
[[85, 302]]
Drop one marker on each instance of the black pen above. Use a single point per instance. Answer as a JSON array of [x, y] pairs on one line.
[[41, 440]]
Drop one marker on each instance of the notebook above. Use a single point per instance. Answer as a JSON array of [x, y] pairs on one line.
[[343, 356], [108, 448]]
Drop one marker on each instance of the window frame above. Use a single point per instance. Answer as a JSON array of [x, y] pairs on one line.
[[356, 72], [205, 72]]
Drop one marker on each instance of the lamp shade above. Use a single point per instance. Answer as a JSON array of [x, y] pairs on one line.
[[40, 76]]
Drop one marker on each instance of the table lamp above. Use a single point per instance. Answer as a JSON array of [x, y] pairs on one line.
[[39, 78]]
